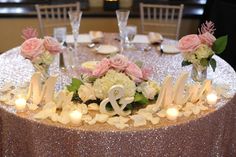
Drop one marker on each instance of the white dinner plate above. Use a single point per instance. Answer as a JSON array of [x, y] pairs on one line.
[[89, 65], [171, 49], [107, 49]]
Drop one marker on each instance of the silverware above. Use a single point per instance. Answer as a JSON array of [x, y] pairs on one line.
[[91, 45], [62, 62], [160, 49], [147, 48]]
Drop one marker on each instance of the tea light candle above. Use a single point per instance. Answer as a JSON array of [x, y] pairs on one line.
[[75, 117], [20, 104], [172, 113], [212, 98]]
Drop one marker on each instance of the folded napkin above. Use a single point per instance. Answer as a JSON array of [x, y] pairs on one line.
[[155, 38], [141, 39], [96, 36], [82, 38]]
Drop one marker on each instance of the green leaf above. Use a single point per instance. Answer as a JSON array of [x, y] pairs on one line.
[[220, 44], [139, 63], [140, 98], [213, 64], [74, 86], [185, 63], [204, 62]]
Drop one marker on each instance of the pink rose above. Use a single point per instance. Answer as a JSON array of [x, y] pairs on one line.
[[207, 38], [134, 72], [52, 45], [29, 32], [102, 67], [119, 62], [85, 71], [189, 43], [146, 73], [32, 47]]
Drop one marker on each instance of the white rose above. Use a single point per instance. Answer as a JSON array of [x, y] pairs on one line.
[[86, 92], [149, 89]]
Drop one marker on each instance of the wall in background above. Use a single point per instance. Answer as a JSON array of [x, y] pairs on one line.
[[10, 32]]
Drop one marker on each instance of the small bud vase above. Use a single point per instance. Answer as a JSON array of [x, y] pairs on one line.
[[199, 73], [43, 69]]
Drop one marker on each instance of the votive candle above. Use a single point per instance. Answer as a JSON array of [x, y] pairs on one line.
[[75, 117], [212, 98], [20, 104], [172, 113]]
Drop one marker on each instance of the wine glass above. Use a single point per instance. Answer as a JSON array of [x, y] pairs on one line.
[[130, 32], [75, 18], [122, 18], [59, 33]]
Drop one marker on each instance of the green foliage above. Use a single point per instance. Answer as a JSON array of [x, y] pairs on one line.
[[204, 62], [140, 98], [74, 86], [220, 44], [139, 64], [213, 64], [185, 63]]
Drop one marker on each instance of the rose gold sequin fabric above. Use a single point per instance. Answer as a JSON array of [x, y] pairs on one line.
[[211, 134]]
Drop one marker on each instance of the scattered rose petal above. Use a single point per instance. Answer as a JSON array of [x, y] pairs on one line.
[[86, 118], [162, 113], [92, 122], [196, 110], [93, 107], [6, 87], [155, 120], [64, 118], [203, 108], [139, 120], [32, 106], [5, 97], [54, 117], [83, 108], [118, 122], [187, 113], [121, 125], [102, 118]]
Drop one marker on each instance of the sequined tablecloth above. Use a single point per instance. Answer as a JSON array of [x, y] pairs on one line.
[[206, 135]]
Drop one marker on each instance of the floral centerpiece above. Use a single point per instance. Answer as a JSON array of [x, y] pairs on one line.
[[98, 77], [198, 50], [40, 52]]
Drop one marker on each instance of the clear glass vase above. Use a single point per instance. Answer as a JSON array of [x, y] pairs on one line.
[[199, 73]]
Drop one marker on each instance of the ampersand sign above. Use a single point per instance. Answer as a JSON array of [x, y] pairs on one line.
[[116, 92]]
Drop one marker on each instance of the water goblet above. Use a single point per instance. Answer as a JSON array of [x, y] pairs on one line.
[[122, 18], [59, 33], [130, 32], [75, 18]]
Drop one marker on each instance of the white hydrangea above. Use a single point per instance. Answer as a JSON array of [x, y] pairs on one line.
[[149, 89], [191, 57], [102, 85], [203, 51]]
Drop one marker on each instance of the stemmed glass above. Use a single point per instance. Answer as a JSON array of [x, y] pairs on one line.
[[59, 33], [122, 18], [75, 18], [130, 32]]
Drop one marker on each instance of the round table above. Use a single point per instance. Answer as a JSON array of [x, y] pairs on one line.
[[211, 134]]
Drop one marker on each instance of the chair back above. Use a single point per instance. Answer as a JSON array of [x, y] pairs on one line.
[[51, 16], [165, 19]]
